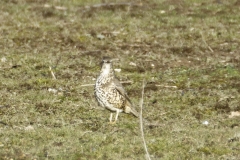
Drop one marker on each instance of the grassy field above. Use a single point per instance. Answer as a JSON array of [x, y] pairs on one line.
[[188, 52]]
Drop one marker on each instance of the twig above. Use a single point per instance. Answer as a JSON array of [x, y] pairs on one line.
[[126, 82], [86, 132], [92, 51], [53, 75], [10, 67], [141, 124], [134, 45], [55, 7], [123, 82], [86, 85], [203, 39], [105, 5], [166, 86], [1, 122]]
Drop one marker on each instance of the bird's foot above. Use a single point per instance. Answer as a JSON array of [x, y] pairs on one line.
[[112, 122]]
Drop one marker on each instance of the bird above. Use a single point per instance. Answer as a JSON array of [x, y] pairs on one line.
[[110, 93]]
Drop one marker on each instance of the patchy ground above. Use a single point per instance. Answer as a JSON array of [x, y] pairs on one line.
[[187, 52]]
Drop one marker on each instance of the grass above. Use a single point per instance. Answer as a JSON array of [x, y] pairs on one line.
[[191, 45]]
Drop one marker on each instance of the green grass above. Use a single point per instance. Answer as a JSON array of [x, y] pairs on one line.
[[190, 45]]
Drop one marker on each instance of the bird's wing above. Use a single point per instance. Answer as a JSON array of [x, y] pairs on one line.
[[121, 90]]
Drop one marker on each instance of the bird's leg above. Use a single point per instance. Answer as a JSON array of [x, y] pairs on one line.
[[116, 117], [110, 118]]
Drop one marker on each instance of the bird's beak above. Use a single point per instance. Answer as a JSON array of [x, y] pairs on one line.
[[115, 59]]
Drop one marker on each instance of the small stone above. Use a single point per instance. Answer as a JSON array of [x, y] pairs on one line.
[[29, 128], [100, 36], [3, 59], [117, 70], [205, 122], [132, 64], [52, 90]]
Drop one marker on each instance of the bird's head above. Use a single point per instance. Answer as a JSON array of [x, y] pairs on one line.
[[107, 65]]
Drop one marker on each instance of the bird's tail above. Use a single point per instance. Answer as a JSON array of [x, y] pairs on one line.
[[134, 112], [129, 108]]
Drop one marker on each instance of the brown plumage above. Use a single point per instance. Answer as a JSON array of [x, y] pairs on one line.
[[110, 93]]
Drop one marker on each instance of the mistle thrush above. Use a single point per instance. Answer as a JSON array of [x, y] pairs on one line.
[[110, 93]]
